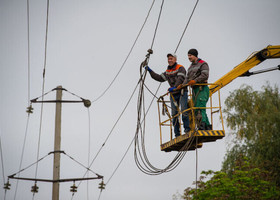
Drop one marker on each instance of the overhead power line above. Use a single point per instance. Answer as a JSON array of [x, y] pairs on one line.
[[140, 156], [43, 88], [2, 161], [22, 151], [28, 50], [155, 32], [129, 146], [111, 131], [186, 26], [130, 51]]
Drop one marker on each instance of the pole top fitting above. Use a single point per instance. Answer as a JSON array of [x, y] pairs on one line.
[[87, 103]]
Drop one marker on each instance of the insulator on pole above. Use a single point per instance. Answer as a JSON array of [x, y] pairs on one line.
[[34, 188], [7, 185], [29, 109], [102, 185], [73, 188]]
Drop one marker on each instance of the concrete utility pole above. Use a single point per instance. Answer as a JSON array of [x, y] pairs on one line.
[[57, 151], [57, 142]]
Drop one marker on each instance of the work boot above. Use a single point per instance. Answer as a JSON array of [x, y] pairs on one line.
[[187, 130], [209, 127], [202, 126]]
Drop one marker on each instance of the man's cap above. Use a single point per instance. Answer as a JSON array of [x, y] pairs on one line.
[[172, 54], [193, 52]]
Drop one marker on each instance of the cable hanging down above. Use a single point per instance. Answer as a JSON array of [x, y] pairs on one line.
[[140, 156]]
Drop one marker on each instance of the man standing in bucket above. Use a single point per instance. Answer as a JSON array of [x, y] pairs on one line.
[[198, 72], [175, 75]]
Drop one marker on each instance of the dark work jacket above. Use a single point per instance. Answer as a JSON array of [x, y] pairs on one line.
[[198, 71], [175, 75]]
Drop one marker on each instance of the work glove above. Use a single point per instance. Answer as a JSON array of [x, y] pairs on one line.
[[192, 82], [148, 68], [171, 89]]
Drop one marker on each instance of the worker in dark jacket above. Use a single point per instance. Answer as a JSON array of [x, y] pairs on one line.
[[198, 72], [175, 75]]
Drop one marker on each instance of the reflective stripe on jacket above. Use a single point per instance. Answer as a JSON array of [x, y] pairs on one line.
[[175, 75]]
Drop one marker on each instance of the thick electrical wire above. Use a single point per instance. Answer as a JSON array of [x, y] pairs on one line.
[[186, 26], [2, 161], [155, 32], [140, 155], [142, 77], [148, 167], [100, 195], [43, 88], [130, 51], [22, 152], [28, 88], [28, 50]]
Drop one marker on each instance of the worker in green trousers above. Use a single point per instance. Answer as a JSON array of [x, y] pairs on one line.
[[198, 72]]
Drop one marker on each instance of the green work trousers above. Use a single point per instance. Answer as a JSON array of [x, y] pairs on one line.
[[200, 98]]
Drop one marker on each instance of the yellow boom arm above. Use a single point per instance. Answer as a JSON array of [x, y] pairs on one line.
[[245, 66]]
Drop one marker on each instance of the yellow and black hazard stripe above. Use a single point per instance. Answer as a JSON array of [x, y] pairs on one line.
[[210, 133]]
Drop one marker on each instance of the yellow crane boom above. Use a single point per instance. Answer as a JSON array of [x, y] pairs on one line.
[[245, 66]]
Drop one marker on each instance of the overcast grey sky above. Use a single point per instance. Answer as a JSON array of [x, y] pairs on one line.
[[88, 42]]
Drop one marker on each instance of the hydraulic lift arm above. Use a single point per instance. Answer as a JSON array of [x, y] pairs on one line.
[[243, 68]]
